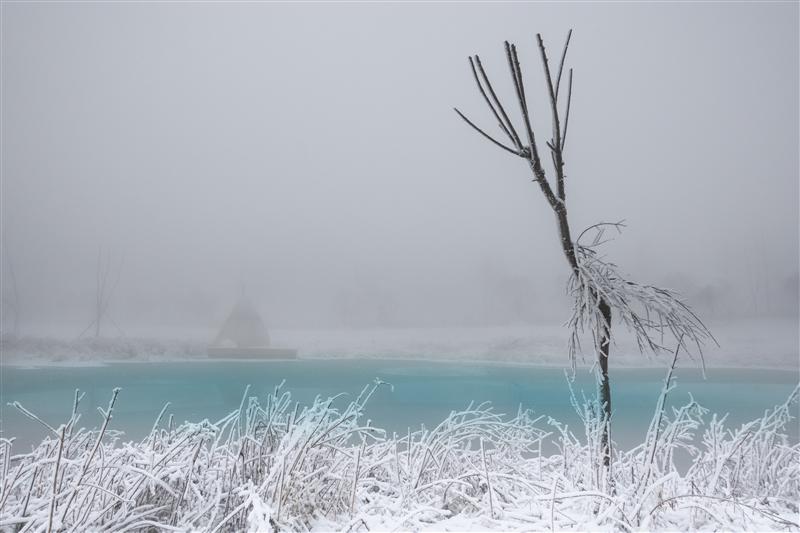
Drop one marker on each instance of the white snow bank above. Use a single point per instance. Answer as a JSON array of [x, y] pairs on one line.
[[40, 351], [752, 343]]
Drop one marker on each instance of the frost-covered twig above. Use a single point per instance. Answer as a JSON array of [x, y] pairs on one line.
[[656, 316]]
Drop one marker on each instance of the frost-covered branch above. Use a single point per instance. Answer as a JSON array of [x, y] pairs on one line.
[[657, 317]]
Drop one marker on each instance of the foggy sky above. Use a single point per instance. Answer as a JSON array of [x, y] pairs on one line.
[[310, 153]]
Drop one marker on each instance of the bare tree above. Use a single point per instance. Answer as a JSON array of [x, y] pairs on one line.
[[654, 315], [12, 302], [107, 266]]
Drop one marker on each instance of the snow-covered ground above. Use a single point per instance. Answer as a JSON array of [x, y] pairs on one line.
[[748, 343]]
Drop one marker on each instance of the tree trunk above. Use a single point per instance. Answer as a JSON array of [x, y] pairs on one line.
[[604, 385], [603, 337]]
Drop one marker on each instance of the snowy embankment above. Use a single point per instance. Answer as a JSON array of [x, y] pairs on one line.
[[274, 465], [49, 350], [750, 343]]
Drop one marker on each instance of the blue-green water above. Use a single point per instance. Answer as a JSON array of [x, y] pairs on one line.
[[424, 392]]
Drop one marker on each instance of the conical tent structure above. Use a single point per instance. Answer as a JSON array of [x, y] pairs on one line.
[[243, 328]]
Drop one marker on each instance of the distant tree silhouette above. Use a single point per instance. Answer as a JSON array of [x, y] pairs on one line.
[[11, 302], [108, 266]]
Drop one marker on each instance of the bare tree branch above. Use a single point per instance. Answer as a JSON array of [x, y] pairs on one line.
[[498, 143], [516, 75], [559, 161], [509, 124], [561, 64], [488, 102], [566, 116]]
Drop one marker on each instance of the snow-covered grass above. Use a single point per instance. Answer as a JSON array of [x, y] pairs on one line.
[[275, 465]]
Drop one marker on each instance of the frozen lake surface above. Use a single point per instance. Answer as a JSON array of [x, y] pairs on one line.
[[423, 392]]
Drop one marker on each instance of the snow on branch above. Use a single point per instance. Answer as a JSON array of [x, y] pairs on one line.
[[656, 316]]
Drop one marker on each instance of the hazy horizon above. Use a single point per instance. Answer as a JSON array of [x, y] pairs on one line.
[[310, 153]]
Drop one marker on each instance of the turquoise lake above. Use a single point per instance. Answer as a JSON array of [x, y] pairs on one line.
[[424, 392]]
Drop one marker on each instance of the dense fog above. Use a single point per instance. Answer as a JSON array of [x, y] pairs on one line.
[[310, 156]]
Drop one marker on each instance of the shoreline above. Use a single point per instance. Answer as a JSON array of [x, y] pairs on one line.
[[80, 363]]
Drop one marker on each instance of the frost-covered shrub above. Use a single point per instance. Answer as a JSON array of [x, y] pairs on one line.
[[275, 465]]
